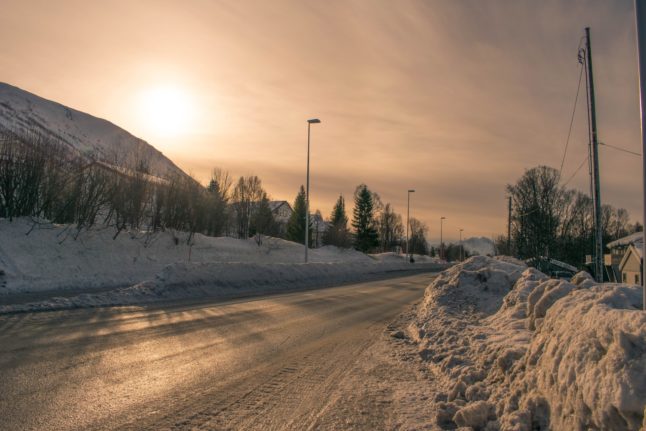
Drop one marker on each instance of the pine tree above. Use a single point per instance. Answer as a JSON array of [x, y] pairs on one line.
[[262, 221], [296, 223], [338, 233], [366, 237]]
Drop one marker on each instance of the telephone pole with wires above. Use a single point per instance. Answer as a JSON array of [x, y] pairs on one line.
[[594, 159], [640, 18]]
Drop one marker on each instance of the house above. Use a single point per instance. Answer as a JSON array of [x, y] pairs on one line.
[[630, 266], [618, 250], [319, 227], [281, 210]]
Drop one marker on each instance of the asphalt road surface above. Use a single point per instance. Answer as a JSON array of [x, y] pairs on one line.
[[290, 361]]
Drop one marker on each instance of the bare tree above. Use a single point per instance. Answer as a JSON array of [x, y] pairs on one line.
[[246, 195], [389, 228]]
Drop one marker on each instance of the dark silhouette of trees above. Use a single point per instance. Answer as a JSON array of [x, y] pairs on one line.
[[338, 233], [262, 221], [296, 223], [418, 232], [390, 229], [549, 220], [365, 236], [44, 179], [246, 195]]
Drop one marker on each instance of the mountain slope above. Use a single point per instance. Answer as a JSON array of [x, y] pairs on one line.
[[23, 112]]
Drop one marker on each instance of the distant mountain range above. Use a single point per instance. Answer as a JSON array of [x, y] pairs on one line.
[[24, 113]]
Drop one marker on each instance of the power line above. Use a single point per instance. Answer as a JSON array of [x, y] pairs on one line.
[[620, 149], [576, 171], [569, 133]]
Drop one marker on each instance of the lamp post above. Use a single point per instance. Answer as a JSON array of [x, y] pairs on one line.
[[408, 223], [307, 189], [461, 247], [441, 242]]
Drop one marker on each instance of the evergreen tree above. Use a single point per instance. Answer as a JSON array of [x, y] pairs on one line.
[[262, 221], [296, 223], [366, 237], [338, 233]]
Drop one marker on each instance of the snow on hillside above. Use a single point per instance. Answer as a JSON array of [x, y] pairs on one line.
[[515, 350], [147, 268], [479, 245], [24, 112]]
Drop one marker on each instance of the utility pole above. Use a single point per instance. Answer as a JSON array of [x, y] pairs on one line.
[[509, 229], [594, 151], [640, 18]]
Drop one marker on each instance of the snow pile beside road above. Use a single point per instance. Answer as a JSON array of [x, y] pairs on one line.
[[226, 280], [515, 350]]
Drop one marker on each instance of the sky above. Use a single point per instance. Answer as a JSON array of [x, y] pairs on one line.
[[455, 99]]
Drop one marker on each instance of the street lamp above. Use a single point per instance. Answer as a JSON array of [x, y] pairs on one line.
[[461, 248], [441, 242], [307, 190], [408, 222]]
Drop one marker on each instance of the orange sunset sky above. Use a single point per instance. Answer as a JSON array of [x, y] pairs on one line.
[[453, 98]]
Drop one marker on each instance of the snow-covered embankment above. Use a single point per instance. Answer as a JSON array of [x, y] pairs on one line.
[[515, 350], [97, 269]]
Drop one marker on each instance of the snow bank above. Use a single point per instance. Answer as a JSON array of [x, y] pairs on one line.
[[49, 258], [136, 268], [515, 350], [225, 280]]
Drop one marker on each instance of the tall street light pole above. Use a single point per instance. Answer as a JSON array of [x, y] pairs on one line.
[[307, 189], [640, 18], [441, 242], [461, 248], [408, 223]]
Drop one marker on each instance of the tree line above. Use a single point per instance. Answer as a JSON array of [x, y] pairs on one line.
[[550, 220], [375, 226], [42, 178]]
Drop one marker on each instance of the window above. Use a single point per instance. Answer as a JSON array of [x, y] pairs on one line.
[[625, 277]]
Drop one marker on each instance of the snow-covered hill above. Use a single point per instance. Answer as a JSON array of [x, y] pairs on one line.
[[481, 246], [23, 112]]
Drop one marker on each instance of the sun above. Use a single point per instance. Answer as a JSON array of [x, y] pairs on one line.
[[166, 111]]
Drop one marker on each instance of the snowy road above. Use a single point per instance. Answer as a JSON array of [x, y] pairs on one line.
[[307, 360]]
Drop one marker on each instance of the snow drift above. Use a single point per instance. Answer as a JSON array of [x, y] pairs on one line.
[[515, 350]]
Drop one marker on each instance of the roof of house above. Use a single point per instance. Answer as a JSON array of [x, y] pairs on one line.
[[627, 240], [274, 205]]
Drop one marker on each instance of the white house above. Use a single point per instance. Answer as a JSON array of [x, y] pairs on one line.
[[618, 251], [631, 264]]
